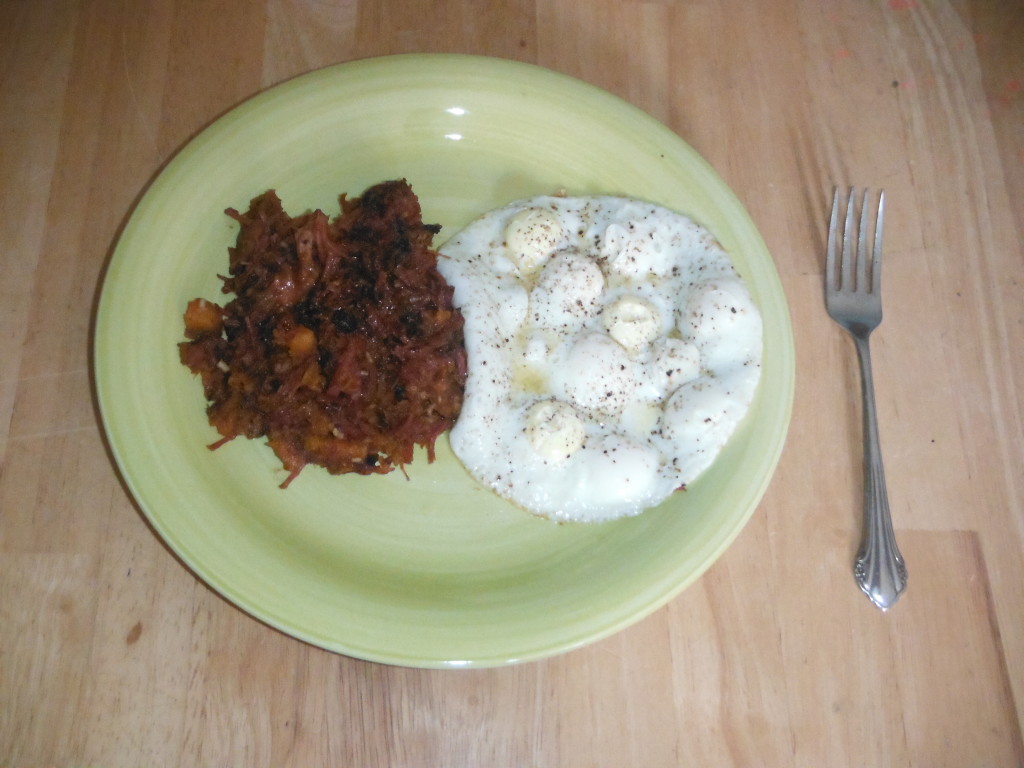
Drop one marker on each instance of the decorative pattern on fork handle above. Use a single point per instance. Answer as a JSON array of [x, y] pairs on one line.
[[853, 299]]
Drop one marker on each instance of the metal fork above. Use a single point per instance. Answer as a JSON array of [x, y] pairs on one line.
[[853, 298]]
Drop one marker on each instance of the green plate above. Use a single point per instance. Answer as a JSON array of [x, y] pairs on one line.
[[430, 570]]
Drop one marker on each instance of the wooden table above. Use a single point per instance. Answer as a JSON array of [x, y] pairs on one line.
[[112, 653]]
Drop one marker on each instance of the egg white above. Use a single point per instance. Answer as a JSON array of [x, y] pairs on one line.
[[612, 350]]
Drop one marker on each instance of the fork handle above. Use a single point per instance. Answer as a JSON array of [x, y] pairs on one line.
[[879, 568]]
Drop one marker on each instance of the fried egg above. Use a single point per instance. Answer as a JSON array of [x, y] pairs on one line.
[[612, 351]]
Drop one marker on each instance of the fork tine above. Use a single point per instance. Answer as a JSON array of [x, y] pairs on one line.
[[876, 252], [846, 281], [830, 251], [862, 246]]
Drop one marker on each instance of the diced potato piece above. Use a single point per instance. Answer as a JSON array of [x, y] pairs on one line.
[[203, 318], [302, 343]]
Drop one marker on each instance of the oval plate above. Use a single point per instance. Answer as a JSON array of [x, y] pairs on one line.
[[433, 570]]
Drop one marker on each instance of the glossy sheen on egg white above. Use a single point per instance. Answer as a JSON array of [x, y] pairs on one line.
[[613, 349]]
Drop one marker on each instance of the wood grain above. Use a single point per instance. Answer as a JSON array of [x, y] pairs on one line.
[[113, 653]]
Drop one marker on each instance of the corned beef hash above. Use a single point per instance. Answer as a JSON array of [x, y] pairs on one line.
[[341, 345]]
